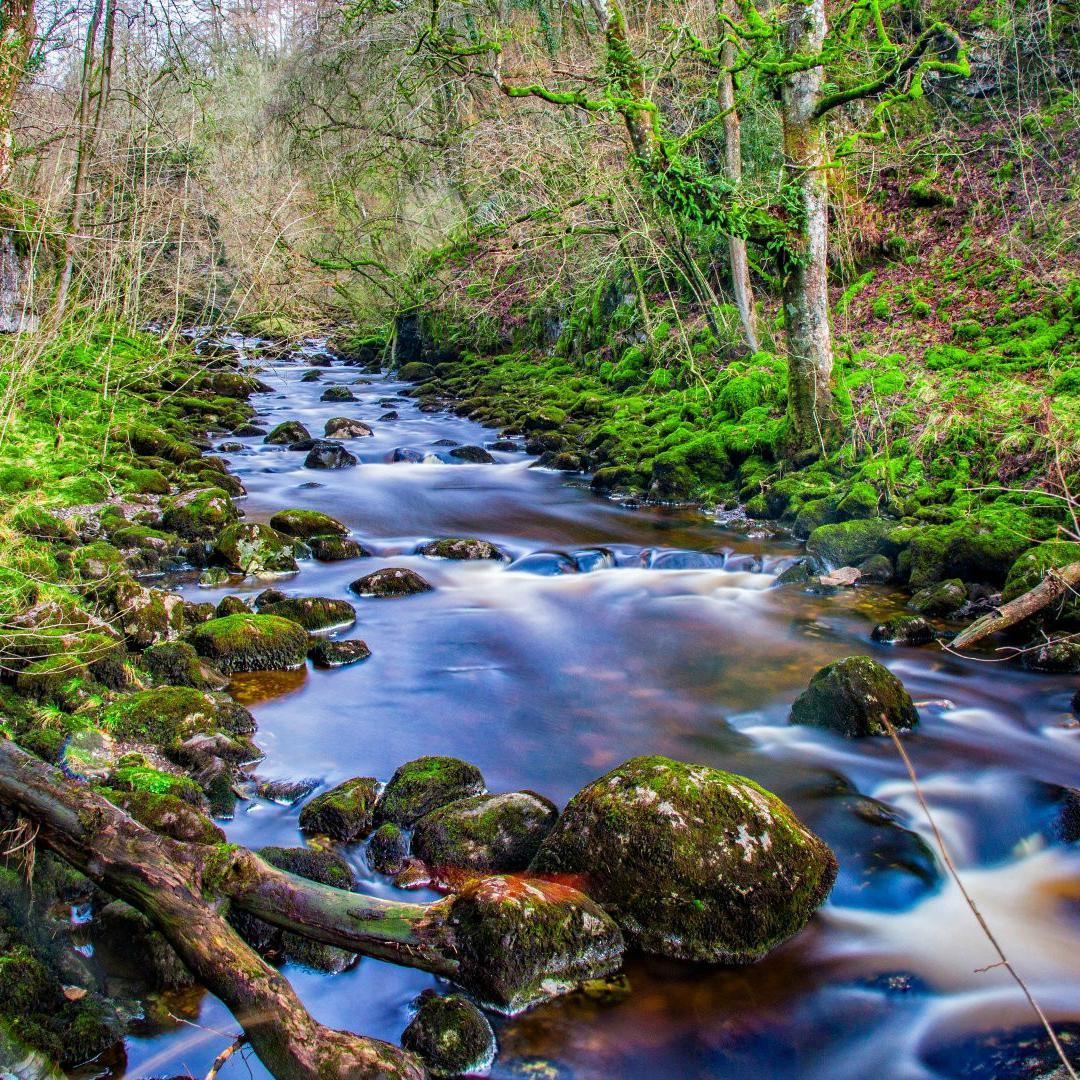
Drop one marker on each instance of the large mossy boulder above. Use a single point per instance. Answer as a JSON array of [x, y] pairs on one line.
[[304, 524], [848, 543], [425, 784], [854, 697], [336, 548], [939, 599], [198, 514], [345, 812], [451, 1034], [494, 833], [251, 643], [691, 862], [964, 549], [462, 548], [254, 548], [1030, 569], [168, 715], [286, 433], [522, 940], [391, 581], [313, 612]]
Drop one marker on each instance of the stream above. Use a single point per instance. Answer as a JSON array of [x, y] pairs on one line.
[[667, 640]]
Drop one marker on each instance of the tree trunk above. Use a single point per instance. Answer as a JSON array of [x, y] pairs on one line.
[[805, 291], [740, 268], [17, 29]]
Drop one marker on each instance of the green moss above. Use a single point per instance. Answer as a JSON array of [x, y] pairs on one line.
[[305, 524], [851, 697], [142, 778], [313, 612], [1032, 566], [345, 812], [168, 715], [423, 785], [250, 642], [199, 514], [253, 548]]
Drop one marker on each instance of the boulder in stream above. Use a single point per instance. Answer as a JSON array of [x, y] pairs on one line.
[[852, 696], [337, 393], [391, 581], [474, 455], [493, 833], [313, 612], [254, 548], [344, 427], [941, 598], [904, 630], [388, 849], [691, 862], [451, 1034], [305, 524], [198, 514], [344, 812], [335, 654], [423, 785], [336, 548], [461, 548], [329, 455], [251, 643], [289, 431]]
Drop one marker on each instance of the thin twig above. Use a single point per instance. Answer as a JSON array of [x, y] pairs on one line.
[[225, 1054]]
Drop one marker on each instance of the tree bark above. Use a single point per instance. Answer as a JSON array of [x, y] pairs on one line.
[[740, 267], [805, 290], [1056, 584], [17, 29]]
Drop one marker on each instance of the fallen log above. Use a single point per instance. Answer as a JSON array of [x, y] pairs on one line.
[[1054, 585], [510, 941]]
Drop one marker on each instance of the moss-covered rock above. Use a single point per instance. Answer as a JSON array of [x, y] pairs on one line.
[[168, 715], [1053, 657], [391, 581], [289, 431], [461, 548], [305, 524], [939, 599], [345, 812], [337, 393], [146, 616], [451, 1035], [493, 833], [1031, 567], [254, 548], [199, 514], [472, 455], [387, 849], [230, 605], [853, 697], [168, 815], [425, 784], [847, 543], [903, 630], [176, 663], [313, 612], [520, 940], [344, 427], [860, 502], [967, 550], [139, 776], [326, 454], [251, 643], [336, 548], [334, 654], [691, 862]]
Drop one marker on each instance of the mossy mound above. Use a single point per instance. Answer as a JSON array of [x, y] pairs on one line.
[[942, 598], [254, 548], [199, 514], [336, 548], [1031, 567], [178, 664], [334, 654], [854, 697], [343, 813], [520, 940], [967, 550], [455, 547], [388, 849], [425, 784], [168, 815], [289, 431], [494, 833], [251, 643], [392, 581], [691, 862], [1054, 657], [305, 524], [168, 715], [451, 1034], [847, 543], [313, 612], [134, 774], [903, 630], [337, 393]]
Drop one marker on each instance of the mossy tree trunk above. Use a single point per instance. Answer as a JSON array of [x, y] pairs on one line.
[[805, 290], [17, 29]]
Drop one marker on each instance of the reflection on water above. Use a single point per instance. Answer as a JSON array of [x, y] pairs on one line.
[[618, 632]]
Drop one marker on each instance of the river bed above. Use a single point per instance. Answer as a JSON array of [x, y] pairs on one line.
[[672, 643]]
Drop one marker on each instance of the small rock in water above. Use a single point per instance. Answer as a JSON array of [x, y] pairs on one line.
[[852, 696], [845, 575], [314, 375], [408, 455], [230, 447], [230, 605], [344, 427], [391, 581], [461, 548], [305, 524], [267, 597], [388, 416], [413, 875], [343, 813], [451, 1034], [505, 446], [388, 849], [301, 445], [254, 548], [798, 573], [285, 792], [313, 612], [329, 455], [904, 630], [474, 455], [247, 431], [337, 393], [289, 431], [213, 576], [1054, 657], [876, 570], [336, 548], [445, 442], [425, 784], [545, 563], [334, 654]]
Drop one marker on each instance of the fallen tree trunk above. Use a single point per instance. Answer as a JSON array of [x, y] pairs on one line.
[[1054, 585], [510, 941], [162, 878]]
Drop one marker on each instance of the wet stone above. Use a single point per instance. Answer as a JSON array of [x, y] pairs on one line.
[[392, 581], [337, 393], [289, 431], [305, 524], [313, 612], [852, 696], [461, 548], [335, 654], [329, 455], [285, 792], [423, 785], [388, 849], [904, 630], [389, 416], [451, 1034], [474, 455], [344, 427], [336, 548], [940, 599], [344, 812]]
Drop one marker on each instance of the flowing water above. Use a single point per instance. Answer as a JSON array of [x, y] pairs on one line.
[[668, 640]]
